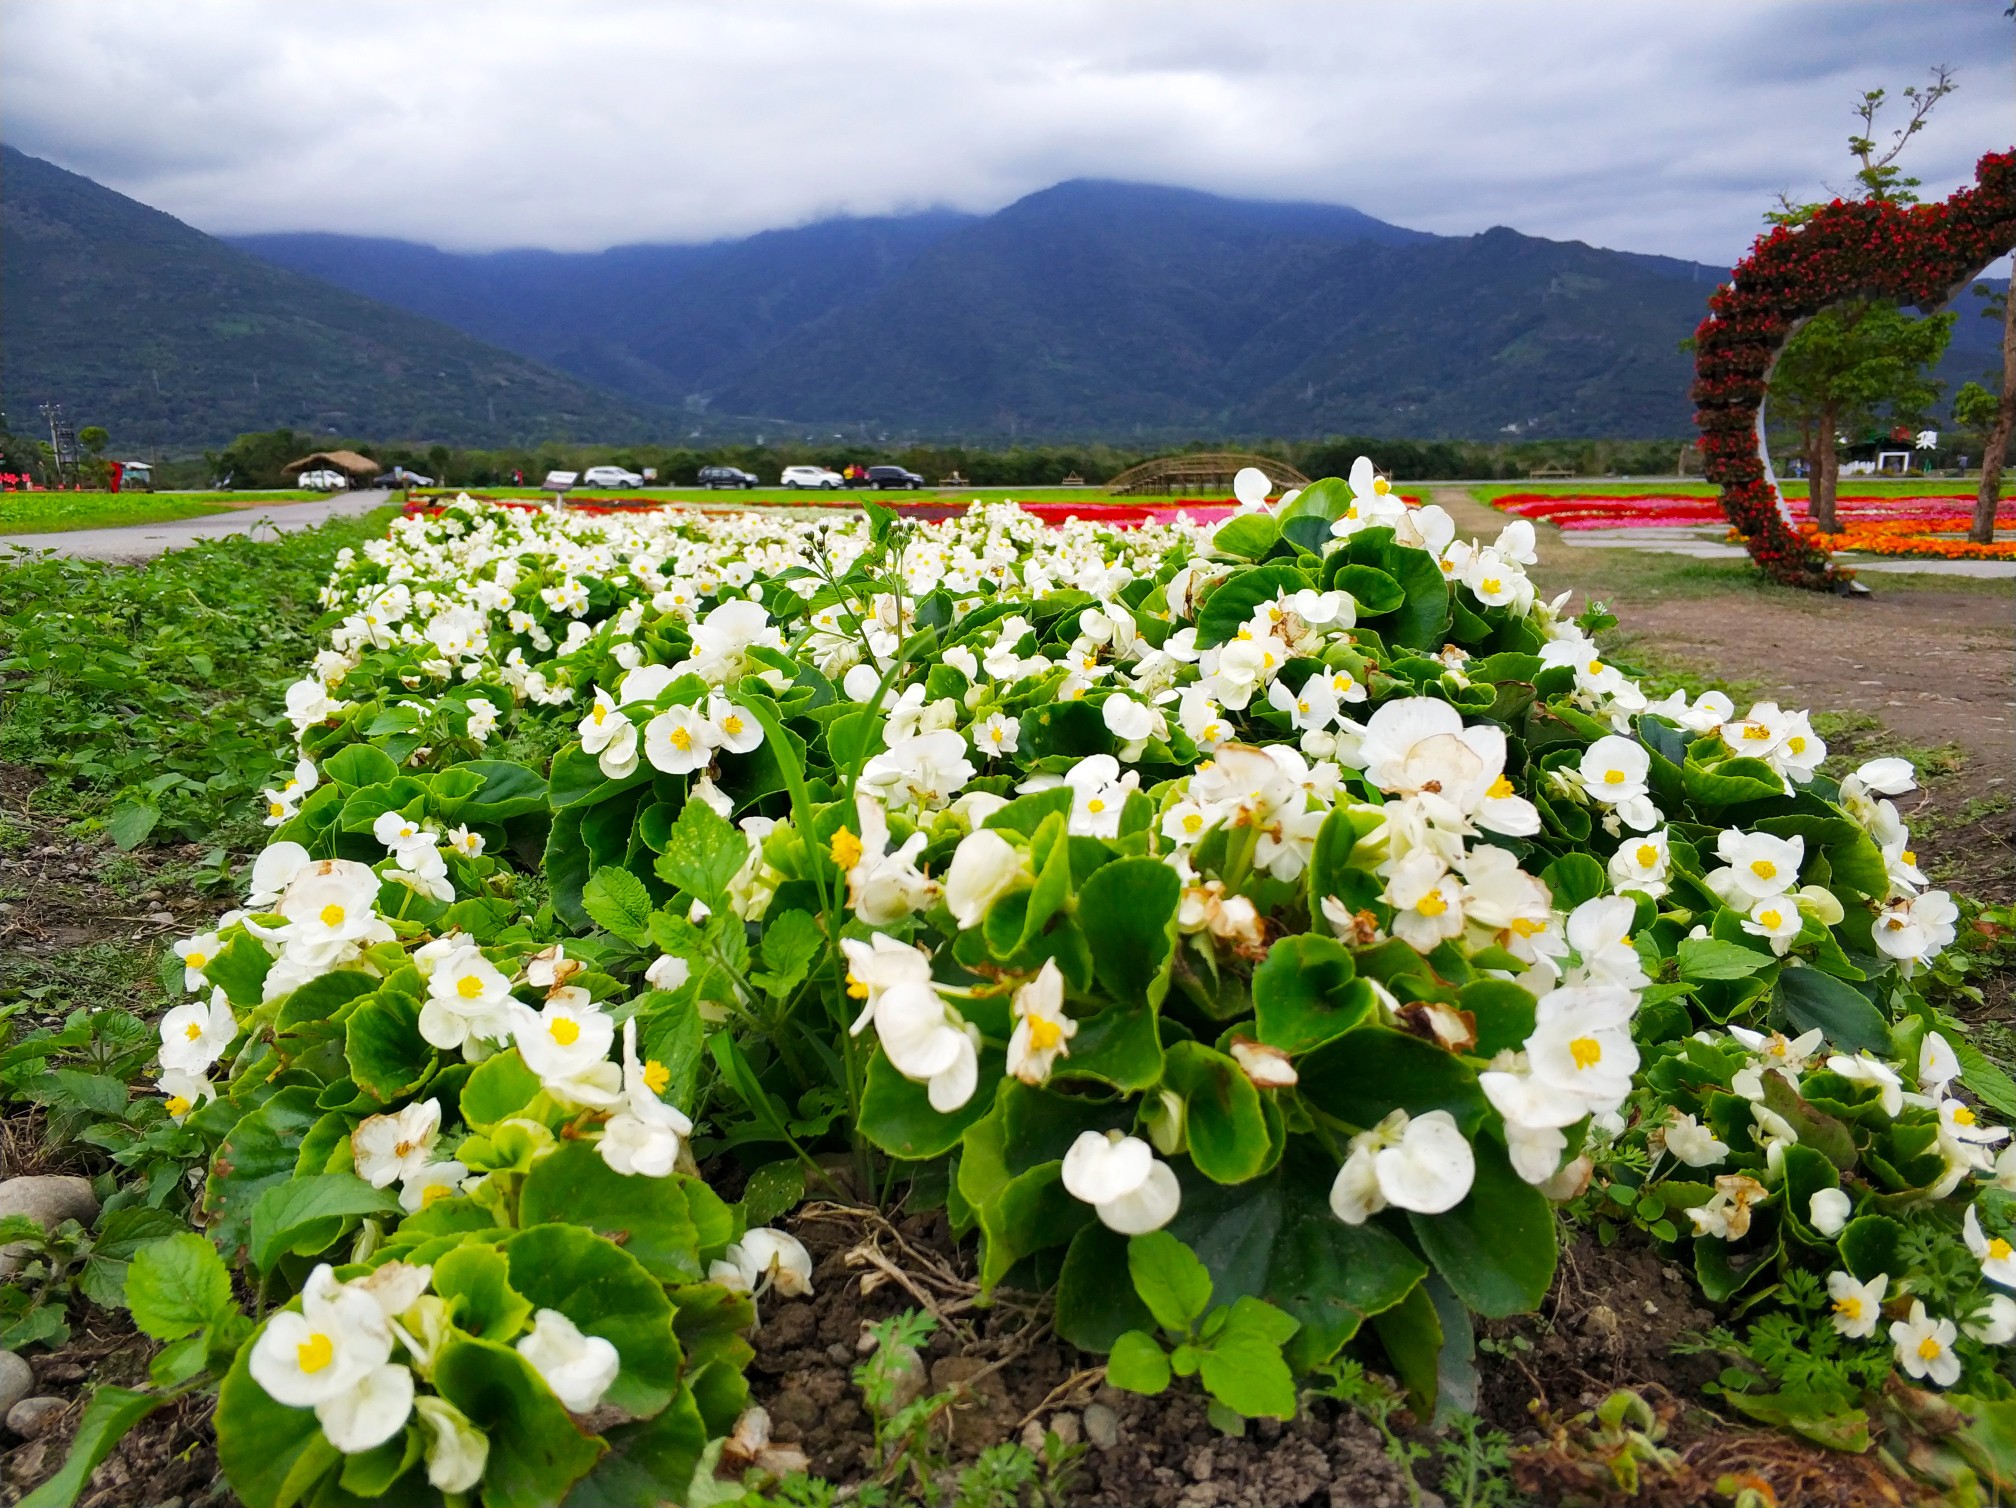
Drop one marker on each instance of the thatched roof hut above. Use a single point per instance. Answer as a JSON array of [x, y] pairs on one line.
[[346, 461]]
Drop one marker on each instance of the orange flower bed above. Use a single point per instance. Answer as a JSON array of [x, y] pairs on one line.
[[1913, 536]]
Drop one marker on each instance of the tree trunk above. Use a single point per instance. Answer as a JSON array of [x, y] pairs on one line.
[[1826, 470], [1990, 495]]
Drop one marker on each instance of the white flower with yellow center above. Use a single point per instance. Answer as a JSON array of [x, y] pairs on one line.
[[387, 1148], [1995, 1254], [1098, 795], [195, 1034], [467, 997], [996, 736], [1758, 866], [1130, 1190], [765, 1259], [1581, 1043], [734, 729], [1421, 1163], [426, 1185], [334, 1357], [566, 1043], [467, 843], [1042, 1032], [1776, 919], [1916, 929], [883, 886], [1924, 1347], [679, 741], [332, 901], [1614, 771], [1857, 1306], [1691, 1142], [184, 1091], [1642, 863], [1426, 899], [196, 953]]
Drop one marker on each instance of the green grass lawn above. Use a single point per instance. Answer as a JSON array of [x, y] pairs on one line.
[[48, 512]]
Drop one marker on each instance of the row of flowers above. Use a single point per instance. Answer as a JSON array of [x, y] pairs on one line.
[[1308, 875]]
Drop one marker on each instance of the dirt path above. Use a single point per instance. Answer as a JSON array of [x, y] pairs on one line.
[[130, 542]]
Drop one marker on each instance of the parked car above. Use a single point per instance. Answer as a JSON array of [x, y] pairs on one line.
[[880, 477], [811, 476], [325, 479], [399, 476], [610, 476], [712, 477]]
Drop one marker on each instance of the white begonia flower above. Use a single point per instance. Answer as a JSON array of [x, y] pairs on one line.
[[1917, 929], [1759, 865], [1535, 1151], [468, 998], [456, 1451], [765, 1259], [1777, 920], [1642, 863], [399, 832], [610, 736], [1614, 771], [1426, 899], [679, 741], [929, 1043], [184, 1091], [1924, 1347], [1250, 487], [578, 1368], [2004, 1166], [332, 901], [315, 1356], [369, 1412], [1827, 1211], [1994, 1324], [435, 1181], [1693, 1143], [668, 973], [1098, 795], [194, 1034], [645, 1137], [1581, 1043], [196, 953], [1938, 1064], [883, 886], [996, 736], [1728, 1213], [273, 871], [387, 1148], [566, 1043], [1130, 721], [1886, 777], [1422, 1163], [877, 966], [1130, 1190], [1996, 1256], [466, 842], [1599, 930], [985, 867], [1857, 1306], [734, 728], [1042, 1032]]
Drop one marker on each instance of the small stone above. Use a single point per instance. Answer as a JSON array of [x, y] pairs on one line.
[[1065, 1427], [840, 1354], [15, 1381], [1102, 1426], [1032, 1437], [32, 1416], [162, 918], [48, 1199]]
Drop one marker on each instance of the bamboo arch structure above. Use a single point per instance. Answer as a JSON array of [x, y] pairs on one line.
[[1201, 471]]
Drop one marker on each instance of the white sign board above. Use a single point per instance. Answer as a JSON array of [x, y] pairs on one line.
[[559, 481]]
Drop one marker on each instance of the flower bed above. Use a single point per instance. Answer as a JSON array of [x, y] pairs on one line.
[[1282, 914], [1889, 525]]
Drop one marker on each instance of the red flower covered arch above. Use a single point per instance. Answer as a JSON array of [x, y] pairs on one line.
[[1917, 254]]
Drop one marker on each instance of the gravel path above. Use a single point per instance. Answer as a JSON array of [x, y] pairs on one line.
[[145, 541]]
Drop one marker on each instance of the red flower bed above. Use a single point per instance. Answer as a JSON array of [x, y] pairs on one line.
[[1917, 253], [1597, 510]]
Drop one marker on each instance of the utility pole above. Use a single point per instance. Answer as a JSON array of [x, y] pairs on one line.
[[62, 442]]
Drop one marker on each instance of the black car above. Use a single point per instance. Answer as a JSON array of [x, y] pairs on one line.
[[726, 476], [880, 477]]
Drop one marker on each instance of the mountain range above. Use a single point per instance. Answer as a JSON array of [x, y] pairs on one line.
[[1089, 309]]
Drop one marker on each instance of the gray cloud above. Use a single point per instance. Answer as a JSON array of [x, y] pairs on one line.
[[492, 123]]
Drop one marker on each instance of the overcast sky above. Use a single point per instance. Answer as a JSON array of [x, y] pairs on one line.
[[1650, 125]]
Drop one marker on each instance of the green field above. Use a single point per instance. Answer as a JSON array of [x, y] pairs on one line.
[[48, 512]]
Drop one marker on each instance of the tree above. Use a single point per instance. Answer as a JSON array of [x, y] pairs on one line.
[[93, 438], [1992, 417], [1862, 360]]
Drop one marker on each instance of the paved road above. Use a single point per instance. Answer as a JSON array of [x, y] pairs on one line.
[[145, 541]]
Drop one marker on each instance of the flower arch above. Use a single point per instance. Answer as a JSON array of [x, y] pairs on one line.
[[1917, 253]]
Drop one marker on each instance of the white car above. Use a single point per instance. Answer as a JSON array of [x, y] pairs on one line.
[[610, 476], [324, 480], [811, 476]]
